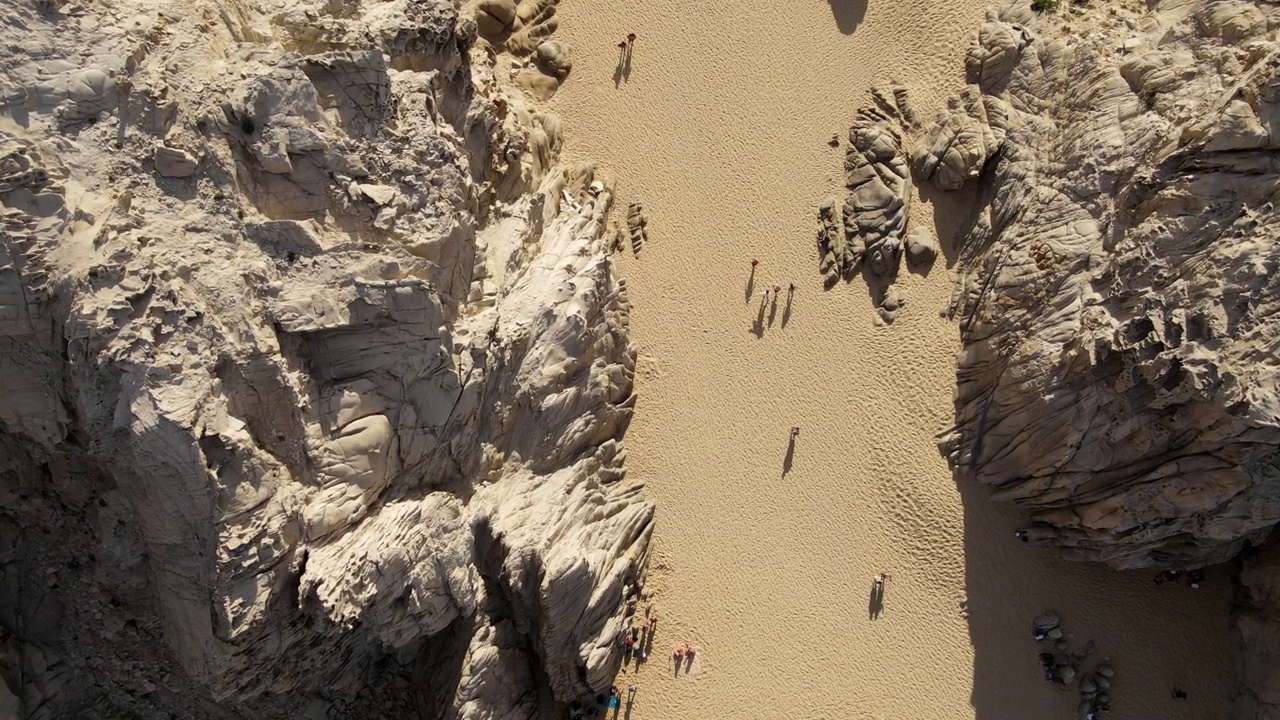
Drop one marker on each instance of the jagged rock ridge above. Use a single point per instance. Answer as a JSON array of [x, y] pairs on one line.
[[315, 366], [1118, 295]]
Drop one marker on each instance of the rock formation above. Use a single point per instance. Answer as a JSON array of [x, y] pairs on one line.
[[1118, 295], [873, 219], [315, 368], [1118, 300]]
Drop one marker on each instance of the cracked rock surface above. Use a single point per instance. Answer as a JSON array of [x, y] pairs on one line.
[[315, 367], [1118, 301]]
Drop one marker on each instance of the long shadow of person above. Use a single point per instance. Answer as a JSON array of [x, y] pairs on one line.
[[751, 286], [875, 604], [773, 309], [622, 73], [786, 311], [791, 456], [758, 328]]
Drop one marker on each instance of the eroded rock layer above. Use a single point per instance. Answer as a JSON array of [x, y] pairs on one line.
[[314, 365], [1119, 292]]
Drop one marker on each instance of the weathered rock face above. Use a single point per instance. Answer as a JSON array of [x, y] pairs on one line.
[[867, 232], [1119, 296], [315, 369]]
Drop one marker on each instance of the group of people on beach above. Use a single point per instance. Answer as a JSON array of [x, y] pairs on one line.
[[777, 289], [612, 701], [681, 653], [1195, 578], [637, 639]]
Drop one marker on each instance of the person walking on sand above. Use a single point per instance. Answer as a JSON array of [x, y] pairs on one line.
[[631, 38], [754, 263], [791, 288], [795, 432], [764, 295], [677, 654]]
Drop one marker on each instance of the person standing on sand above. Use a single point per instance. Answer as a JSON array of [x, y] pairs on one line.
[[795, 432], [777, 290], [631, 38], [754, 263]]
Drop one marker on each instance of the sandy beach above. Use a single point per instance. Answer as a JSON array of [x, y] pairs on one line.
[[765, 556]]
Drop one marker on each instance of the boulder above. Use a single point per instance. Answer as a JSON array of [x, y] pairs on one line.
[[921, 248], [174, 162]]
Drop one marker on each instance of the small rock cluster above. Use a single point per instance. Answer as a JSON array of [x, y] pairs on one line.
[[868, 232], [1062, 666]]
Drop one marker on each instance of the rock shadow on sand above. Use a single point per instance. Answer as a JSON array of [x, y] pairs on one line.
[[848, 14], [1009, 582]]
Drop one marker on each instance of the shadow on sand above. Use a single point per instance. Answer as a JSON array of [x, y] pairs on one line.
[[622, 73], [875, 602], [1130, 618], [848, 14], [790, 457], [757, 328]]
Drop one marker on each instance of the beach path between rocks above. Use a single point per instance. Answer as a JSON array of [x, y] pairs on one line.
[[720, 127]]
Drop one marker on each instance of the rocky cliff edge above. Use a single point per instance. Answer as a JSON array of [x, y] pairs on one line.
[[315, 369]]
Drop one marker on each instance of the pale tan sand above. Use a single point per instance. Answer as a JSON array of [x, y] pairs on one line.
[[721, 130]]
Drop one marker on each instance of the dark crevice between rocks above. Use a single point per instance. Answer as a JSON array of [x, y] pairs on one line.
[[504, 603]]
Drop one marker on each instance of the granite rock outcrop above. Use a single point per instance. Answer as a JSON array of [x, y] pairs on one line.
[[315, 366], [1118, 298]]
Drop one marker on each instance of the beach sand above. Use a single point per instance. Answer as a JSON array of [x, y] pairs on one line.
[[764, 557]]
